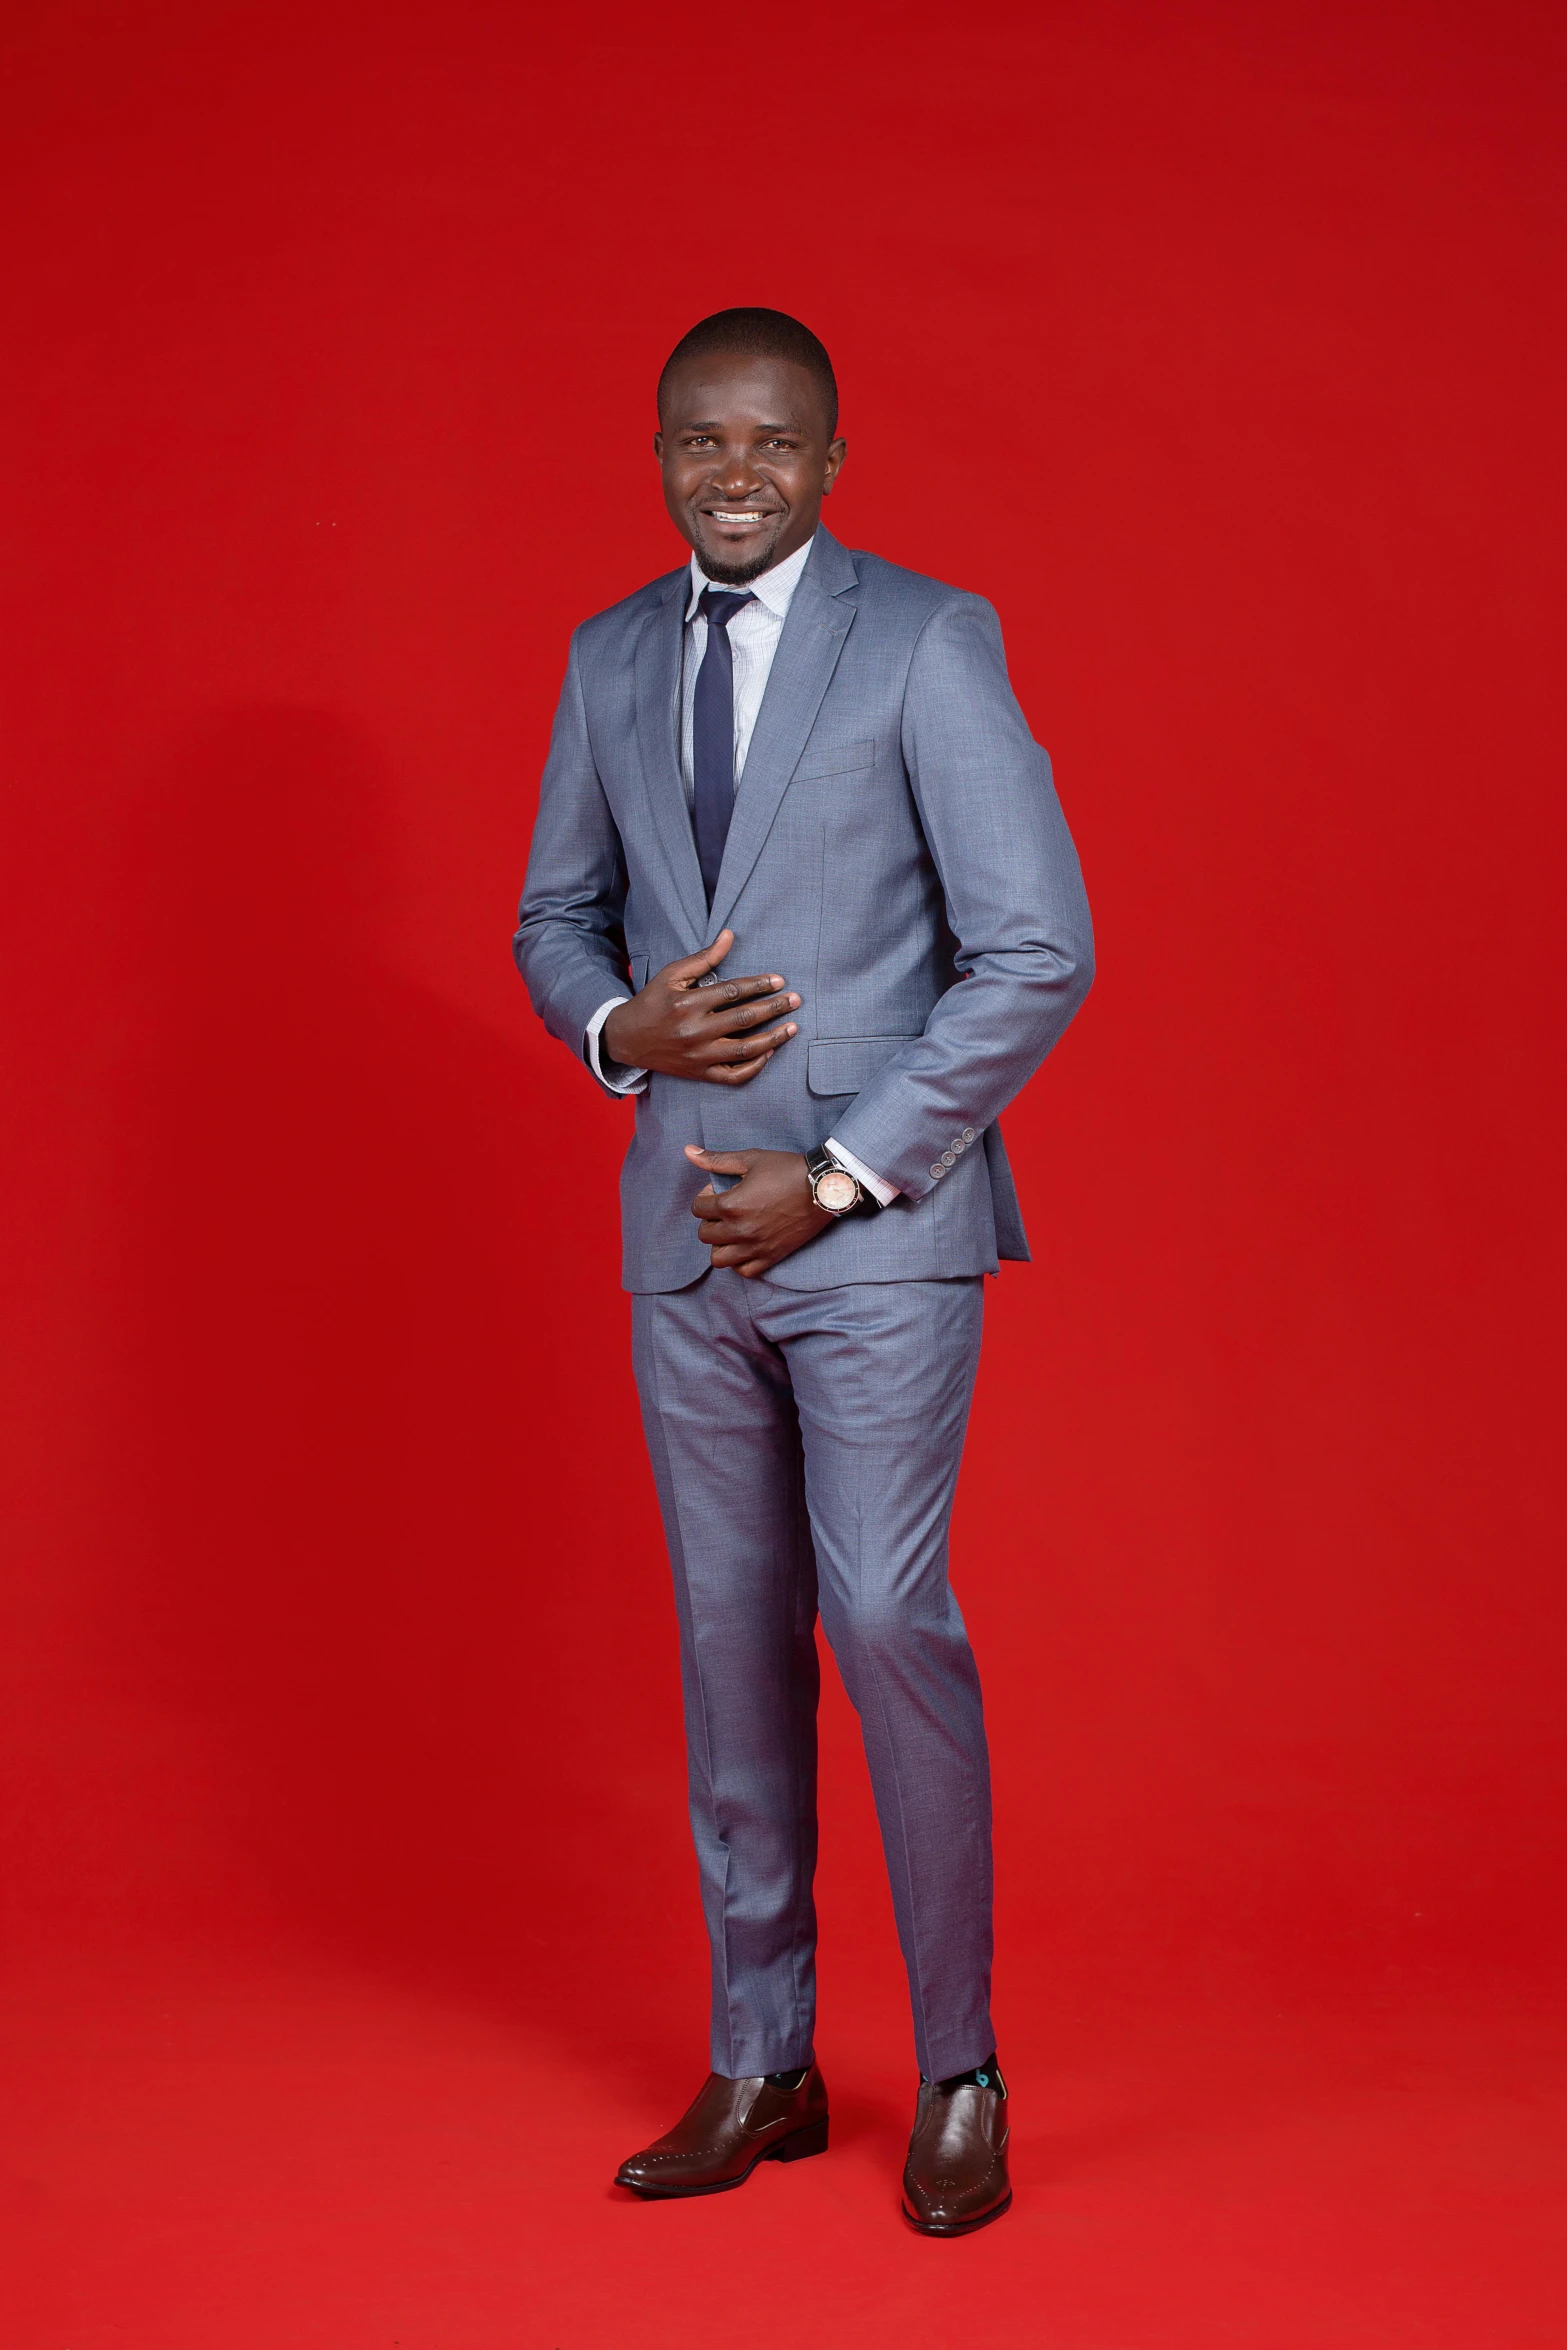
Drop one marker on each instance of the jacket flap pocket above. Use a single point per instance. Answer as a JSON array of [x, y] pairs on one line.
[[834, 759], [843, 1064]]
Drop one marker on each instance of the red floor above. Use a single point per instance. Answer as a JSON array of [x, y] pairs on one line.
[[308, 2160], [1221, 347]]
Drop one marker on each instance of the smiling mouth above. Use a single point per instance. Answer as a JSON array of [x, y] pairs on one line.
[[731, 516]]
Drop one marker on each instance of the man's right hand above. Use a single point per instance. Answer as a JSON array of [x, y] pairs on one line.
[[717, 1031]]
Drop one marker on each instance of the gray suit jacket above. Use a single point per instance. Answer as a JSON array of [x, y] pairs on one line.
[[897, 851]]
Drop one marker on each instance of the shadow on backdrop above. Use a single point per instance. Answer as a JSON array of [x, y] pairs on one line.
[[346, 1379]]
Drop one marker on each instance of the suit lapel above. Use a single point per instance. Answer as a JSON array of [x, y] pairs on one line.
[[820, 617], [658, 720]]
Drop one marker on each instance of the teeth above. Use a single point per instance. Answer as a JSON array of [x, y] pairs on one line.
[[721, 517]]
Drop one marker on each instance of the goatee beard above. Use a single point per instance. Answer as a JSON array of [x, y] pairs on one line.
[[736, 574]]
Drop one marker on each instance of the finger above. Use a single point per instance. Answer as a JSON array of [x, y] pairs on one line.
[[688, 969], [746, 1048], [735, 1072], [713, 1223], [743, 1261], [768, 1006], [719, 1162], [719, 995]]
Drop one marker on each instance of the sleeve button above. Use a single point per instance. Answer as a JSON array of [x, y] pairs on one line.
[[937, 1168]]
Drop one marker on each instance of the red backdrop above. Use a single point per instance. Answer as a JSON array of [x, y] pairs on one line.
[[1213, 345]]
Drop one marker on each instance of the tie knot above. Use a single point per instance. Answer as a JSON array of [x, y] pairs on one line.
[[718, 606]]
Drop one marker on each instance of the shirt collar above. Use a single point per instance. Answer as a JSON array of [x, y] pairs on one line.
[[774, 588]]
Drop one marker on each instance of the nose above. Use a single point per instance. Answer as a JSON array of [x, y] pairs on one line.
[[734, 476]]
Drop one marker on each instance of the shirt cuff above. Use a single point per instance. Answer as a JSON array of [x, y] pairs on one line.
[[625, 1080], [885, 1192]]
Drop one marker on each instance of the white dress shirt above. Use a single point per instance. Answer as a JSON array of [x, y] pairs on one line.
[[753, 636]]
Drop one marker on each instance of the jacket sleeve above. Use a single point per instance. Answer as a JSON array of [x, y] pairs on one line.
[[1015, 904], [570, 945]]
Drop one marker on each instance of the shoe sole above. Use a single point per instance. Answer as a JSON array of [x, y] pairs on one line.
[[797, 2147], [957, 2227]]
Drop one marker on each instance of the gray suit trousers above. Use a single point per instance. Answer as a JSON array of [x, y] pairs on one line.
[[805, 1445]]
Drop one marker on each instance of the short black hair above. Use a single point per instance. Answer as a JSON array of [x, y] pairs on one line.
[[758, 334]]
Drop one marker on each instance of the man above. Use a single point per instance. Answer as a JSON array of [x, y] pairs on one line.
[[800, 883]]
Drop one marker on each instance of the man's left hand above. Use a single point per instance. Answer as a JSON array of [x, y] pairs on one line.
[[761, 1219]]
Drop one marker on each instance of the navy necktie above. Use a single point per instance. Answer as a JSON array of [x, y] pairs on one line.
[[713, 734]]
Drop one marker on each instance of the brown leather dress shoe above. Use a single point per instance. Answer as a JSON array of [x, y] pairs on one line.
[[732, 2127], [955, 2179]]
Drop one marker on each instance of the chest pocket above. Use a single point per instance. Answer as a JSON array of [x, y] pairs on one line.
[[834, 759]]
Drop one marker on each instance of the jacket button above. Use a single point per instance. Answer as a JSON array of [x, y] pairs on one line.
[[948, 1158], [937, 1168], [968, 1133]]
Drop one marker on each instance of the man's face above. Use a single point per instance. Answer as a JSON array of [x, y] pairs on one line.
[[746, 460]]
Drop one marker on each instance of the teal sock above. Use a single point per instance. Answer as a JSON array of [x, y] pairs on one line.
[[984, 2076]]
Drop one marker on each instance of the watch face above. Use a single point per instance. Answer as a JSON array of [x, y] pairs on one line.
[[836, 1191]]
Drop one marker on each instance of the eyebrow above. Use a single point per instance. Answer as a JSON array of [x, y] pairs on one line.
[[716, 424]]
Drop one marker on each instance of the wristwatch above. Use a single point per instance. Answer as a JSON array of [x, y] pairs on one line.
[[834, 1189]]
